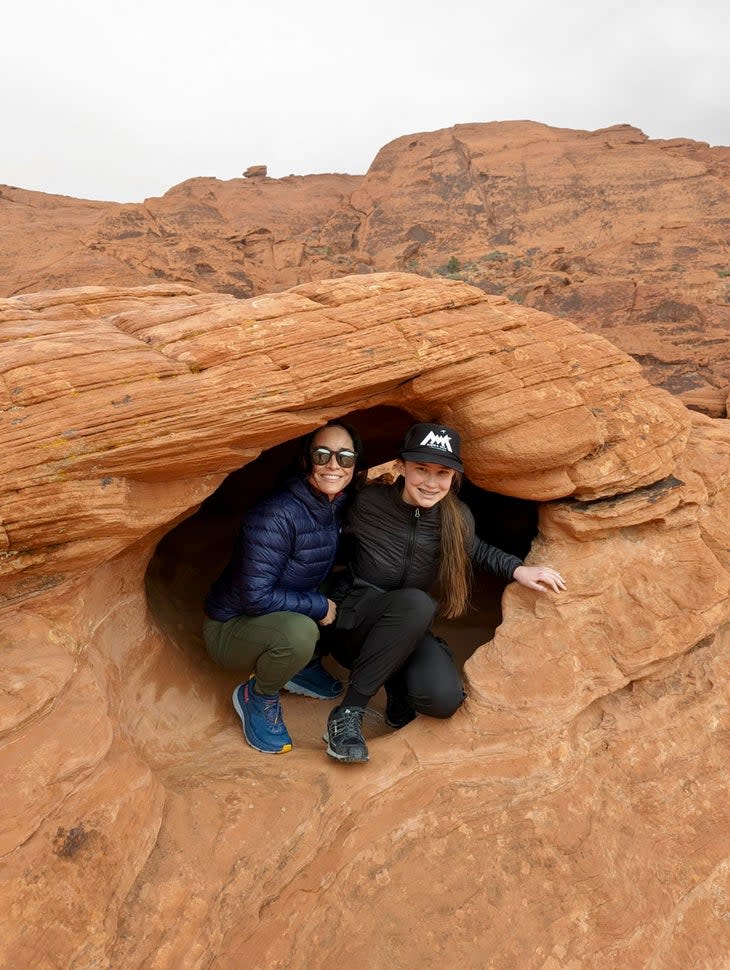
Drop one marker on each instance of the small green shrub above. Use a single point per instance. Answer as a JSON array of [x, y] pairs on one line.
[[449, 269]]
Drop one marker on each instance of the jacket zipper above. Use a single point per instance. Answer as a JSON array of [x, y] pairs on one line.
[[409, 546]]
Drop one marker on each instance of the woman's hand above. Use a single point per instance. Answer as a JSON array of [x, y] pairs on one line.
[[329, 617], [540, 578]]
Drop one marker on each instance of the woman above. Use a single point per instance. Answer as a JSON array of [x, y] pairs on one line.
[[406, 536], [265, 612]]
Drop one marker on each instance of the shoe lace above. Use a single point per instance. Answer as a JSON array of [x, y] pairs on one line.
[[347, 722], [272, 711]]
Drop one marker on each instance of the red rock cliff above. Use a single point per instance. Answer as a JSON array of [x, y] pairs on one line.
[[626, 235]]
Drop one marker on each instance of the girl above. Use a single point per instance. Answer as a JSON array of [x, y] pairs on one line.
[[405, 536]]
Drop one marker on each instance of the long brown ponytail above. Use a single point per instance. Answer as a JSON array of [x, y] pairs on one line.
[[455, 572]]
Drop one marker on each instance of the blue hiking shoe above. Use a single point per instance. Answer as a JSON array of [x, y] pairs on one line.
[[314, 681], [263, 724]]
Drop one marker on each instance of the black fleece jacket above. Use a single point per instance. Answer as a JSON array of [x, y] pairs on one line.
[[394, 545]]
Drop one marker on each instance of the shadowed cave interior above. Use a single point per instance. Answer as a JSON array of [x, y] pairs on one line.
[[190, 556]]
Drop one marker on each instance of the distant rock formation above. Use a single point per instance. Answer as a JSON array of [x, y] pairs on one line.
[[574, 813], [255, 171], [626, 235]]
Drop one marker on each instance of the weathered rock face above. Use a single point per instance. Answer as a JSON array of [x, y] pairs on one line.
[[242, 237], [622, 234], [573, 813], [625, 235]]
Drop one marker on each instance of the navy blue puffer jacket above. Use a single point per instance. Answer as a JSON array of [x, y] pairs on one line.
[[285, 548]]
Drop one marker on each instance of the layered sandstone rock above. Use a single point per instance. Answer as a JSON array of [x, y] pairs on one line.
[[626, 235], [573, 813]]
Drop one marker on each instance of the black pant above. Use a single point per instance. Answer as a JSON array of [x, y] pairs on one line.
[[384, 639]]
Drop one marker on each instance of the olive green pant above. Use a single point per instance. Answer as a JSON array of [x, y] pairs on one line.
[[273, 646]]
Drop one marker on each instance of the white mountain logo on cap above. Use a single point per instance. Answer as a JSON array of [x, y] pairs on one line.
[[442, 441]]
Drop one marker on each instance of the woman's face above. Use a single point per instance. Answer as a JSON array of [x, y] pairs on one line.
[[331, 479], [425, 483]]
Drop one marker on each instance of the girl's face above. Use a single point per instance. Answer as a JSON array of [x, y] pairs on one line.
[[425, 482], [331, 478]]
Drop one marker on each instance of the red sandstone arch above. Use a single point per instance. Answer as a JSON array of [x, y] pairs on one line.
[[140, 831]]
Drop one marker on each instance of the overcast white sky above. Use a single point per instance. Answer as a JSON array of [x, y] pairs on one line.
[[121, 100]]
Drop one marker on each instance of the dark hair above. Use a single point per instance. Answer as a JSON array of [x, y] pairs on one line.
[[305, 449]]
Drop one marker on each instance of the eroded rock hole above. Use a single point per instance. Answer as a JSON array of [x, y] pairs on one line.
[[510, 524], [191, 555]]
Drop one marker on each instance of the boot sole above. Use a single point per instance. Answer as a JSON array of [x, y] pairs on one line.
[[397, 725], [342, 757], [346, 759]]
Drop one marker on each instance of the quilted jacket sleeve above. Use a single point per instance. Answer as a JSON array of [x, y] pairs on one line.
[[265, 545]]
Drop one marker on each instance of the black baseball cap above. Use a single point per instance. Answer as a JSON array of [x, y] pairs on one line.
[[433, 443]]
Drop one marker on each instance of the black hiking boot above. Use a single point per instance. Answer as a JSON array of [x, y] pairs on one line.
[[344, 734], [398, 712]]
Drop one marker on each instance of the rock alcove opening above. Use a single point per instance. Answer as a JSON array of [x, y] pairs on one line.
[[190, 556]]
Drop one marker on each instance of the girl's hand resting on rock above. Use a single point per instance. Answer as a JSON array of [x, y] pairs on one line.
[[540, 578]]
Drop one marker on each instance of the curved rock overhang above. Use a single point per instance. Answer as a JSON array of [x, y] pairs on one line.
[[124, 409]]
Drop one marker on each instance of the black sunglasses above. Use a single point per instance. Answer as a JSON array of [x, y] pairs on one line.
[[322, 456]]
